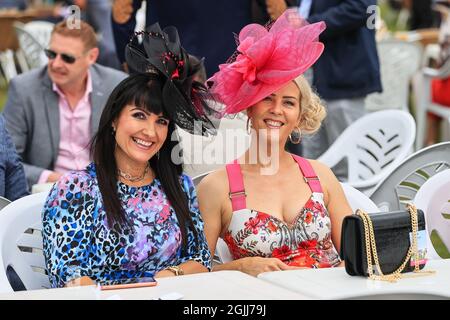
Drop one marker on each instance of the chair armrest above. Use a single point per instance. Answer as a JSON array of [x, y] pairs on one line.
[[441, 73], [371, 182], [374, 180], [363, 184]]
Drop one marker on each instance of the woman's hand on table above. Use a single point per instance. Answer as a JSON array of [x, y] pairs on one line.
[[79, 282], [256, 265], [164, 274]]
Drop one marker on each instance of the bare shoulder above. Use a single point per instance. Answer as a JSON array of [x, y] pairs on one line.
[[328, 180], [323, 171], [215, 183]]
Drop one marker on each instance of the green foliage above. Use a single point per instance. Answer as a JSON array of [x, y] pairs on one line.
[[389, 15], [3, 93], [439, 245]]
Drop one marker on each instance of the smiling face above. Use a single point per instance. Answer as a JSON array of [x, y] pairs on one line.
[[140, 134], [64, 74], [278, 113]]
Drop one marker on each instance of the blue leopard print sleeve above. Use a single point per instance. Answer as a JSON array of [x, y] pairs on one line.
[[198, 252], [67, 229]]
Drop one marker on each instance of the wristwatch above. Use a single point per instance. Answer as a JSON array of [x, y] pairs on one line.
[[176, 270]]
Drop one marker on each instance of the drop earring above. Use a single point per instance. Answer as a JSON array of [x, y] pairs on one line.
[[298, 134], [249, 126]]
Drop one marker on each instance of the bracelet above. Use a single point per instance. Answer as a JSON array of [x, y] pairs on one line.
[[177, 271]]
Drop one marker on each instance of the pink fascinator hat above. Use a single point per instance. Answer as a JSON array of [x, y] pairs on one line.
[[266, 60]]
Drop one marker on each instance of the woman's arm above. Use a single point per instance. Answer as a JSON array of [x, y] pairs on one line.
[[67, 230], [210, 197], [255, 265], [335, 200], [198, 256], [188, 267], [78, 282]]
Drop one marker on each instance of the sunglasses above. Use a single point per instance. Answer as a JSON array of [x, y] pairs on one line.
[[64, 56]]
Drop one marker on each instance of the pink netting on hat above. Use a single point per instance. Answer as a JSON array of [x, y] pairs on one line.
[[267, 60]]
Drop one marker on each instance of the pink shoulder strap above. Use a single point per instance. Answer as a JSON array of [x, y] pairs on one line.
[[236, 181], [308, 174]]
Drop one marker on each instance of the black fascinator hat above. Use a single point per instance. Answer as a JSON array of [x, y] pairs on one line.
[[185, 100]]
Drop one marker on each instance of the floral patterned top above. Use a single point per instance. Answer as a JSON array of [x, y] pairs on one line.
[[78, 241], [306, 242]]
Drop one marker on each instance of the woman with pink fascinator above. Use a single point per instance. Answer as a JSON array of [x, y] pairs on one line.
[[274, 210]]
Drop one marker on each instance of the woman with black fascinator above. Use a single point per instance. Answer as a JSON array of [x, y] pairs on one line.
[[132, 213]]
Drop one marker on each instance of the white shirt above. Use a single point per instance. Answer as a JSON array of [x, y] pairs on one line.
[[305, 8]]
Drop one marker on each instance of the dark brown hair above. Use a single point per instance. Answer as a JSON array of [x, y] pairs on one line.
[[144, 91]]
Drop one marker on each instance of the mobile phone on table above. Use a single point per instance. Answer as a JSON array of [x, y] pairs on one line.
[[129, 283]]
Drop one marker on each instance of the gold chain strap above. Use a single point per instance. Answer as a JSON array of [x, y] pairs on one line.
[[371, 248]]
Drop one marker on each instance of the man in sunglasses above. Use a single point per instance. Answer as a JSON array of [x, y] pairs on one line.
[[53, 112]]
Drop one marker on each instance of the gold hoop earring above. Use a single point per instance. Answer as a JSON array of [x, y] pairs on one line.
[[298, 134], [249, 126]]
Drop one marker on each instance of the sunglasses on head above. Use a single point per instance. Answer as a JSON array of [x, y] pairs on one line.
[[64, 56]]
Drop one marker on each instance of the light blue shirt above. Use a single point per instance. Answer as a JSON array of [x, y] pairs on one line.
[[13, 184], [305, 8]]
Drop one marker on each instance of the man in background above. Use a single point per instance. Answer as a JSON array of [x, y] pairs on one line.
[[347, 71], [205, 27], [53, 112], [13, 184]]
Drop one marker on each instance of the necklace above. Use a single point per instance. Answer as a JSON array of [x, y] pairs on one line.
[[131, 178]]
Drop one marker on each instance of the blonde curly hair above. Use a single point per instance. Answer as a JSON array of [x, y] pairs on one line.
[[312, 110]]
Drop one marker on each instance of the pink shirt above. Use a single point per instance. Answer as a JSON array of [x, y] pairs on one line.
[[75, 133]]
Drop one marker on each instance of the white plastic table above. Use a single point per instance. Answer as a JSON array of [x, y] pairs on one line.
[[221, 285], [335, 283]]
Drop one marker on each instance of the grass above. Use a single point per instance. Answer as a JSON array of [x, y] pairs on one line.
[[439, 245], [388, 15], [3, 92]]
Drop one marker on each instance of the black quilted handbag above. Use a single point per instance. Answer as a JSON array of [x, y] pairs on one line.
[[379, 245]]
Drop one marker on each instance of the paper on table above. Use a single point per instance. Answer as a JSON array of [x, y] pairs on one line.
[[170, 296]]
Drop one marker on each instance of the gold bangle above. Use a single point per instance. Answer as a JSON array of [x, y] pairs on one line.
[[177, 271]]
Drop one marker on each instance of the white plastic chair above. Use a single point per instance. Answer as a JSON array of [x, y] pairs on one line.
[[222, 252], [8, 65], [434, 199], [33, 38], [4, 202], [359, 200], [399, 61], [401, 186], [373, 146], [41, 31], [21, 242], [196, 180]]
